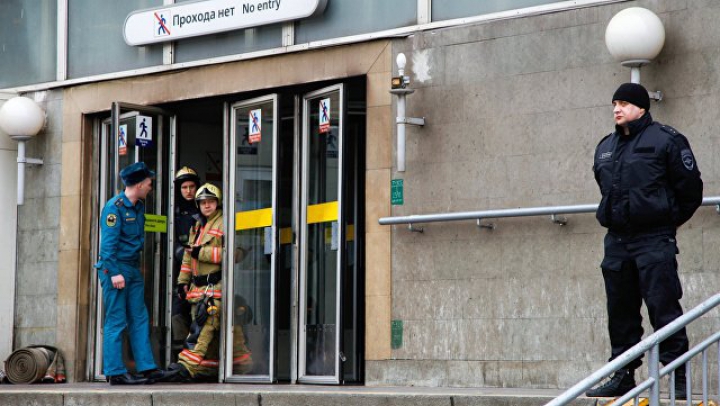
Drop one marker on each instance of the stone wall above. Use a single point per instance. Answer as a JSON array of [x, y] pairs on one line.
[[8, 241], [514, 110], [38, 231]]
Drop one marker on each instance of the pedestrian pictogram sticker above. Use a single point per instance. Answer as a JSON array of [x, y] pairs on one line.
[[162, 28], [122, 140], [254, 124], [324, 115], [143, 131]]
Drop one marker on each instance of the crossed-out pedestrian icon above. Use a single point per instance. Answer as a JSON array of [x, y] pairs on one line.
[[255, 123], [162, 28], [324, 119], [325, 115]]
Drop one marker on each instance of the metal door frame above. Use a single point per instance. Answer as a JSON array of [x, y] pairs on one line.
[[302, 346], [295, 272], [169, 258], [226, 346]]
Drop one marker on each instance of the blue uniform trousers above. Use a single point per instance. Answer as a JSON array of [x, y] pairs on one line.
[[125, 308]]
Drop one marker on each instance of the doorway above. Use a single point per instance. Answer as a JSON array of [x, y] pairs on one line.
[[290, 164], [140, 134]]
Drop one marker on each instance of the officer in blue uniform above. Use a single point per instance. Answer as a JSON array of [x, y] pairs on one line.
[[650, 185], [122, 238]]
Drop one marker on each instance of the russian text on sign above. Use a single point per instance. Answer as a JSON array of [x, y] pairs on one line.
[[212, 16]]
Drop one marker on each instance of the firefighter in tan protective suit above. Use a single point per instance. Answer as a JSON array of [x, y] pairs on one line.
[[200, 283]]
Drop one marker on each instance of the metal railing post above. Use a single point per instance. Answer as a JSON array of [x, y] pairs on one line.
[[705, 377], [671, 383], [688, 383], [654, 372]]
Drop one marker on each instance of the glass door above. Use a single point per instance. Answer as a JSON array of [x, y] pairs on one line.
[[132, 134], [252, 217], [321, 237]]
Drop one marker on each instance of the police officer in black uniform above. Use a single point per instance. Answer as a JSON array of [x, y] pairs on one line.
[[650, 186], [186, 215]]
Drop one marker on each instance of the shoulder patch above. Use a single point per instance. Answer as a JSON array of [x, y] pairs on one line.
[[669, 130], [687, 159], [119, 202], [111, 220]]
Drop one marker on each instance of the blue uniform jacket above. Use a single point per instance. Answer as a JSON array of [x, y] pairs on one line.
[[122, 234]]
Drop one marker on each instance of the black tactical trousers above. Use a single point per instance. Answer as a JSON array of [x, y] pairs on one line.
[[637, 268]]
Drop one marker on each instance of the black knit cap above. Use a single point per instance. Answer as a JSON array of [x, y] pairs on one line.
[[633, 93]]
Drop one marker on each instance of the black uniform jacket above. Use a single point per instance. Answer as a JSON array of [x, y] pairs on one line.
[[649, 179], [186, 215]]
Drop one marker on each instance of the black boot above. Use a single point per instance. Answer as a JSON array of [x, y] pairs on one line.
[[159, 375], [126, 379], [621, 383], [680, 384], [180, 373]]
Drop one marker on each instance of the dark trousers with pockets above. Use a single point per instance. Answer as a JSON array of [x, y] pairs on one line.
[[642, 268]]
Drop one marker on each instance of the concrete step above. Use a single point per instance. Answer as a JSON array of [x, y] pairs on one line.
[[82, 394]]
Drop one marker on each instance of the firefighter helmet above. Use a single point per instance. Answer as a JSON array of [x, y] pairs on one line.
[[208, 191], [186, 174]]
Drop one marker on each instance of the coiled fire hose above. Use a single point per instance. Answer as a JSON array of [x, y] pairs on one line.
[[28, 365]]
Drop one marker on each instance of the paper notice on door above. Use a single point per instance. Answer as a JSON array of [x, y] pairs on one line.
[[155, 223], [324, 115], [122, 140], [254, 125]]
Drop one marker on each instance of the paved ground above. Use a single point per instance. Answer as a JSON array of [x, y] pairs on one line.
[[258, 388], [82, 394]]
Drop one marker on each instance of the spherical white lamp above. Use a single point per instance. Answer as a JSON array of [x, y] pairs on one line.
[[21, 118], [634, 37]]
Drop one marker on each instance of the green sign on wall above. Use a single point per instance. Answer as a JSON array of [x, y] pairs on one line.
[[396, 192], [396, 334]]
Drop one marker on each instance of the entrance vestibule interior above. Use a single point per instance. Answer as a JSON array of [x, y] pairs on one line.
[[290, 163]]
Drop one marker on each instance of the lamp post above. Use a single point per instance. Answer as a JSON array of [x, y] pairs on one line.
[[634, 37], [399, 88], [21, 119]]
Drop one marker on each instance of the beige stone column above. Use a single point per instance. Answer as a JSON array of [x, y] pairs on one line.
[[378, 265]]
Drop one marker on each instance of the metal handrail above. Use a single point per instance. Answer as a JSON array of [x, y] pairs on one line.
[[518, 212], [652, 344]]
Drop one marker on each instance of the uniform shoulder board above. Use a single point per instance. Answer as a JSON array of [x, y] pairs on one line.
[[604, 138], [119, 202], [669, 130]]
